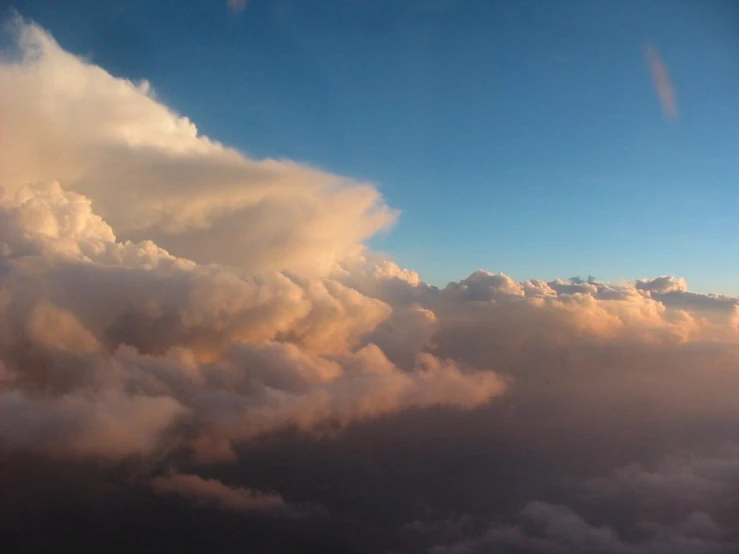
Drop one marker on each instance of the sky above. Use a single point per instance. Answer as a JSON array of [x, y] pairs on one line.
[[532, 130], [216, 341]]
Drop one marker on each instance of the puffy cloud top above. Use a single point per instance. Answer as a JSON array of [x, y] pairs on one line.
[[122, 344], [151, 175]]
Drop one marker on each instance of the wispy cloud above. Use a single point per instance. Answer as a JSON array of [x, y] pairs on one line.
[[662, 83], [212, 492], [237, 6]]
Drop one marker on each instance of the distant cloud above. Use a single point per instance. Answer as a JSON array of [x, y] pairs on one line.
[[694, 487], [556, 529], [662, 83], [237, 6], [215, 493]]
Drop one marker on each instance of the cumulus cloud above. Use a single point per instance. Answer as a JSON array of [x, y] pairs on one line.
[[662, 284], [109, 328], [113, 141], [109, 424], [232, 355], [206, 353]]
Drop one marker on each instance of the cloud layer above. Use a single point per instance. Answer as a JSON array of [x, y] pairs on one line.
[[669, 501], [168, 302], [109, 346]]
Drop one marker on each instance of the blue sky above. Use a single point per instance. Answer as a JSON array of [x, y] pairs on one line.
[[521, 137]]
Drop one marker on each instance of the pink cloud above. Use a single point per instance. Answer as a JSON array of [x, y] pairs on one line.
[[662, 82]]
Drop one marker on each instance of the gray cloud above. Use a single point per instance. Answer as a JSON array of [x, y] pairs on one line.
[[237, 499], [554, 529]]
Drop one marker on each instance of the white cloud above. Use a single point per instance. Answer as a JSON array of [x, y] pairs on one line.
[[151, 175]]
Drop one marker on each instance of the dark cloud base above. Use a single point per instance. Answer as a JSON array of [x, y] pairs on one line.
[[73, 507], [400, 484]]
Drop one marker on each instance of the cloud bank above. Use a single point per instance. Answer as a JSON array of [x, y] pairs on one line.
[[681, 486], [109, 347], [166, 301]]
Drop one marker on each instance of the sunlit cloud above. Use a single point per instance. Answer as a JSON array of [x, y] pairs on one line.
[[662, 83], [113, 142]]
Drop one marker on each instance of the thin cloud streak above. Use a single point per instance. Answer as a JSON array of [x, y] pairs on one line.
[[662, 83]]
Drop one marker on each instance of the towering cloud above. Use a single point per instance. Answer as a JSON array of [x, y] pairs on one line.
[[151, 175]]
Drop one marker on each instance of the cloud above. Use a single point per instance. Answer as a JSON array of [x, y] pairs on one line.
[[237, 6], [111, 140], [214, 492], [233, 356], [555, 529], [662, 83], [106, 324], [684, 482], [166, 301], [662, 284], [685, 504], [108, 424]]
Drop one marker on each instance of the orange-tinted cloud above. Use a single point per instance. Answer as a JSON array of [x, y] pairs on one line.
[[113, 347], [662, 83], [214, 492], [114, 143]]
